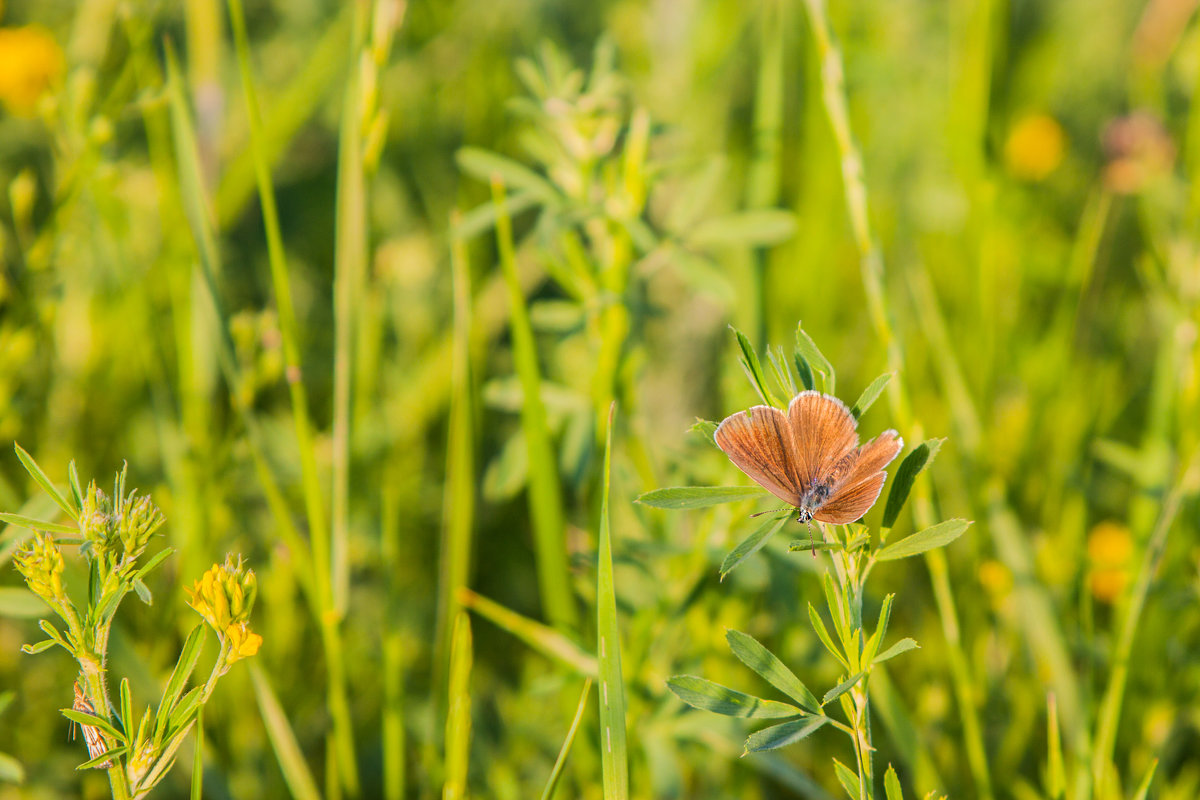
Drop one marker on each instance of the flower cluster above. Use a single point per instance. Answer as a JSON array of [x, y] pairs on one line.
[[119, 531], [41, 564], [224, 598]]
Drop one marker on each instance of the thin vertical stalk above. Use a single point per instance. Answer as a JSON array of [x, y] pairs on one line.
[[545, 491], [871, 264], [762, 183]]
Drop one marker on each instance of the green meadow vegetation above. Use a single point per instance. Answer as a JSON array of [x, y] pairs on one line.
[[412, 324]]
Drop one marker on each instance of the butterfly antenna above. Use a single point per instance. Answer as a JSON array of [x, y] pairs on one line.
[[771, 511]]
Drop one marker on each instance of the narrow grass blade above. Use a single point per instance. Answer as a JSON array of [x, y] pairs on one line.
[[691, 497], [1143, 790], [708, 696], [394, 745], [939, 535], [754, 655], [458, 502], [783, 734], [871, 394], [921, 456], [1056, 776], [613, 756], [458, 714], [540, 637], [561, 761], [283, 741], [184, 666], [198, 759], [752, 543], [40, 478], [545, 492]]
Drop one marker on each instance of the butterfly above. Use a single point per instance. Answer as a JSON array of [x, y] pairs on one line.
[[92, 737], [810, 457]]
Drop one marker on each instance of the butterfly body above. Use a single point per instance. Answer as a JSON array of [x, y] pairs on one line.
[[809, 457]]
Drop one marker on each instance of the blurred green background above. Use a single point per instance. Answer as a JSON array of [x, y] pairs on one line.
[[669, 169]]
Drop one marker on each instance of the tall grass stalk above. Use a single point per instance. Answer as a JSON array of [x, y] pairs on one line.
[[545, 491], [871, 263]]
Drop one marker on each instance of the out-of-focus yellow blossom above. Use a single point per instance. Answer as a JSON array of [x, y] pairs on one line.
[[1035, 147], [31, 62], [996, 579], [1109, 549], [243, 642]]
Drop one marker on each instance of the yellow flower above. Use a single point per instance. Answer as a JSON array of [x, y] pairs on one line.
[[30, 63], [1035, 147], [243, 642], [225, 594], [1110, 547]]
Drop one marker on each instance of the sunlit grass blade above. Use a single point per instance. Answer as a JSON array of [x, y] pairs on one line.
[[394, 738], [283, 741], [708, 696], [1056, 776], [902, 646], [545, 491], [1143, 790], [458, 504], [561, 761], [939, 535], [691, 497], [458, 713], [546, 640], [197, 792], [613, 756]]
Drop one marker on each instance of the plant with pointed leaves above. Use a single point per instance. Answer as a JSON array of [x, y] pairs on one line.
[[113, 533], [853, 549]]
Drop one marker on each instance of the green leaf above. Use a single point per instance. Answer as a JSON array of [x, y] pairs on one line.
[[614, 760], [885, 614], [37, 524], [804, 370], [126, 704], [185, 709], [938, 536], [812, 545], [690, 497], [753, 368], [708, 696], [921, 457], [40, 478], [154, 561], [104, 758], [19, 603], [96, 721], [754, 655], [11, 769], [184, 666], [783, 734], [40, 647], [841, 689], [483, 217], [891, 785], [706, 428], [812, 354], [565, 750], [74, 485], [839, 611], [871, 394], [847, 779], [750, 545], [1143, 790], [759, 228], [143, 592], [484, 165], [902, 646], [824, 636]]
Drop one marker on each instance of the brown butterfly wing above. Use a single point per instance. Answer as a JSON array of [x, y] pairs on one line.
[[759, 442], [859, 487], [823, 430]]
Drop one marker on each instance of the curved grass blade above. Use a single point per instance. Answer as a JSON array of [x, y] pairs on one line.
[[613, 756], [283, 741], [691, 497], [708, 696], [543, 638], [561, 761]]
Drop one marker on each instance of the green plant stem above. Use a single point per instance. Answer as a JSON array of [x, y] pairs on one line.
[[97, 695], [871, 263]]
